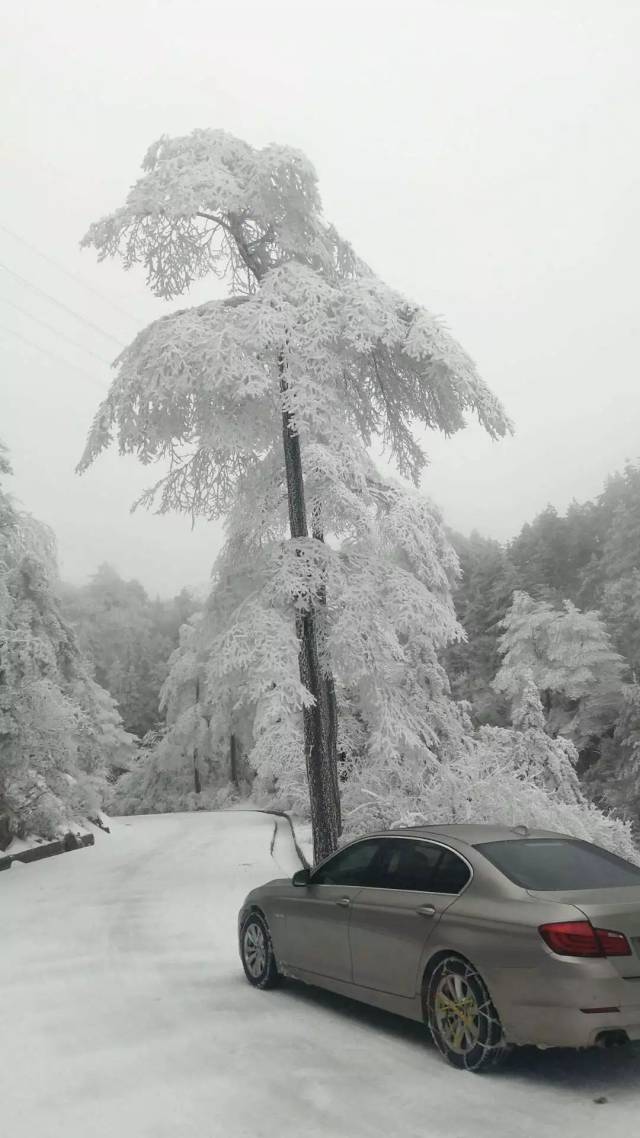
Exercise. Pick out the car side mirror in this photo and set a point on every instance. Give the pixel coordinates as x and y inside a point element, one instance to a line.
<point>301,877</point>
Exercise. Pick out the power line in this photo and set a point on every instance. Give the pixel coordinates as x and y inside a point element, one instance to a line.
<point>56,332</point>
<point>52,355</point>
<point>59,303</point>
<point>72,276</point>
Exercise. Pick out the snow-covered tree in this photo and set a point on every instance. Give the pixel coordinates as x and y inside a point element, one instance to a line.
<point>539,759</point>
<point>262,395</point>
<point>623,791</point>
<point>59,731</point>
<point>613,781</point>
<point>571,660</point>
<point>510,776</point>
<point>393,616</point>
<point>482,596</point>
<point>177,770</point>
<point>487,785</point>
<point>388,615</point>
<point>621,609</point>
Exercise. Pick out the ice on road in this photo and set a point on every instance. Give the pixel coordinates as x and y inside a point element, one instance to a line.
<point>125,1014</point>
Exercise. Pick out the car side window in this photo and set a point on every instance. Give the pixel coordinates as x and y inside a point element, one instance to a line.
<point>421,868</point>
<point>452,874</point>
<point>410,865</point>
<point>352,866</point>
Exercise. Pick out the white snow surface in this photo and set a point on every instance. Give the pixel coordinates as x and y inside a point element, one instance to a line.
<point>125,1012</point>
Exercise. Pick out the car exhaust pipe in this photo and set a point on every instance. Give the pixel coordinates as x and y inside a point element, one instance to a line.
<point>612,1038</point>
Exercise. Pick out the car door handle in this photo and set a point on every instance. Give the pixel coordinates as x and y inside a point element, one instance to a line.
<point>344,901</point>
<point>426,911</point>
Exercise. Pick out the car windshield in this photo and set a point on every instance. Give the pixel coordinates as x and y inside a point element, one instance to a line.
<point>558,864</point>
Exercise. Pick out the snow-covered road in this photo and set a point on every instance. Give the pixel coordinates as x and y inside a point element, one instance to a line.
<point>124,1013</point>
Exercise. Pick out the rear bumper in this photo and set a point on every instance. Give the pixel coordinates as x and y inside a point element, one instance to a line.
<point>557,1004</point>
<point>552,1026</point>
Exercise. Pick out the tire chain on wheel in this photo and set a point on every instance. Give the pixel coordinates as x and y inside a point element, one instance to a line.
<point>493,1048</point>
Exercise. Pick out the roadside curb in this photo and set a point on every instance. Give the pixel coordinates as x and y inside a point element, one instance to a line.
<point>50,849</point>
<point>276,814</point>
<point>283,814</point>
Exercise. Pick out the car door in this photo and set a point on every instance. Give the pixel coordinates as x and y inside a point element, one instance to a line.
<point>392,920</point>
<point>317,915</point>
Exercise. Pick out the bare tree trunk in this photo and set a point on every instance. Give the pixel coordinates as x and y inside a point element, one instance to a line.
<point>332,720</point>
<point>328,689</point>
<point>197,785</point>
<point>233,760</point>
<point>320,757</point>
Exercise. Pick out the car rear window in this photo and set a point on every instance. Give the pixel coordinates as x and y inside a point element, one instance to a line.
<point>559,864</point>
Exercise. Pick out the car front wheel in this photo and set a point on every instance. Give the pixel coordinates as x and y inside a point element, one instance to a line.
<point>256,951</point>
<point>463,1021</point>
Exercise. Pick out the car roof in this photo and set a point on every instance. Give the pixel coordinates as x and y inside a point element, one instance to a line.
<point>471,834</point>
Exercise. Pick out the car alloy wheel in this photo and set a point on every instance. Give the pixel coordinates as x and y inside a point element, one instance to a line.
<point>255,949</point>
<point>463,1021</point>
<point>257,954</point>
<point>457,1014</point>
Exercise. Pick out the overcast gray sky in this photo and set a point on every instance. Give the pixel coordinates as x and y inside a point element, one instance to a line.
<point>483,157</point>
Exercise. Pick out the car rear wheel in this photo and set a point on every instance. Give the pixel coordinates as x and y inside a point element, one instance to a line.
<point>256,951</point>
<point>463,1021</point>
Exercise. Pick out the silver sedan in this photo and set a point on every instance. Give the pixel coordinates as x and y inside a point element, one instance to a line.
<point>491,936</point>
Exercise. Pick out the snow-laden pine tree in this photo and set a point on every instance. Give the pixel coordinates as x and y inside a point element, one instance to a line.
<point>393,619</point>
<point>539,759</point>
<point>571,660</point>
<point>262,396</point>
<point>59,731</point>
<point>511,776</point>
<point>482,596</point>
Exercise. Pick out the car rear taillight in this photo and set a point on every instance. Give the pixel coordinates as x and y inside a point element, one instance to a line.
<point>571,938</point>
<point>579,938</point>
<point>613,944</point>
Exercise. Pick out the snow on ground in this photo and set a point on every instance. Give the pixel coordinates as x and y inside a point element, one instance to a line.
<point>125,1013</point>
